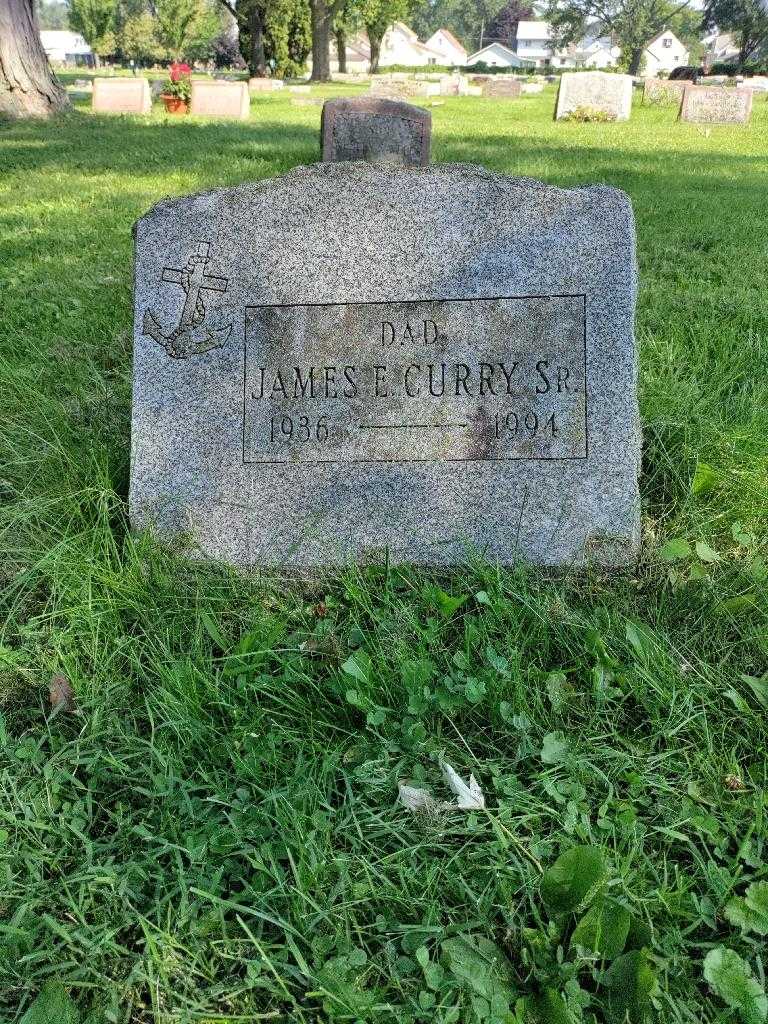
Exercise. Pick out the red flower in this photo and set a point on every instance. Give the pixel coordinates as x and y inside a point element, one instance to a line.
<point>177,70</point>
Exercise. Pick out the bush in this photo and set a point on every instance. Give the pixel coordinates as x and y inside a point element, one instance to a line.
<point>589,115</point>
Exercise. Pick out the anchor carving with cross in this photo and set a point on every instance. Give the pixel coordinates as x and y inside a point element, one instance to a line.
<point>185,340</point>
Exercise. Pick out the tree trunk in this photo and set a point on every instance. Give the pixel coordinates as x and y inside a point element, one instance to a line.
<point>257,62</point>
<point>375,46</point>
<point>635,61</point>
<point>321,16</point>
<point>28,87</point>
<point>341,50</point>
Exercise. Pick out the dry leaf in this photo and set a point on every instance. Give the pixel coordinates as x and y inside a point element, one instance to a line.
<point>469,796</point>
<point>61,694</point>
<point>416,799</point>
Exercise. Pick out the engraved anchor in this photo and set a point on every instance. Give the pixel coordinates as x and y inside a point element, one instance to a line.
<point>182,341</point>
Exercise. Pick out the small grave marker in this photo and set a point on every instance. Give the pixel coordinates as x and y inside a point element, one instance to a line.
<point>121,96</point>
<point>376,130</point>
<point>220,99</point>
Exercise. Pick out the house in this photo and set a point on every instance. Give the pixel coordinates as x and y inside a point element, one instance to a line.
<point>64,47</point>
<point>721,48</point>
<point>358,54</point>
<point>401,45</point>
<point>598,53</point>
<point>496,55</point>
<point>448,46</point>
<point>534,43</point>
<point>664,53</point>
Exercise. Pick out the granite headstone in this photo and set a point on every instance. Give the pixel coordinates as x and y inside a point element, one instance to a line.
<point>662,91</point>
<point>121,96</point>
<point>596,90</point>
<point>355,361</point>
<point>502,88</point>
<point>706,105</point>
<point>375,129</point>
<point>220,99</point>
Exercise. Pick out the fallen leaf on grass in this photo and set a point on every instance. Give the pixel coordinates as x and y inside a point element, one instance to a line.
<point>61,694</point>
<point>469,795</point>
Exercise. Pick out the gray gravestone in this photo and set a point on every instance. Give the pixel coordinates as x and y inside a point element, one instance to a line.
<point>661,91</point>
<point>595,90</point>
<point>375,129</point>
<point>704,105</point>
<point>353,359</point>
<point>502,88</point>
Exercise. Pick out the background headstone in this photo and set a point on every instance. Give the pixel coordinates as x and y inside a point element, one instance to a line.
<point>662,91</point>
<point>403,88</point>
<point>220,99</point>
<point>597,90</point>
<point>121,96</point>
<point>375,129</point>
<point>503,88</point>
<point>705,105</point>
<point>352,359</point>
<point>265,84</point>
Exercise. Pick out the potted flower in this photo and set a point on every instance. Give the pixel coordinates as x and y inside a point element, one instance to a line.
<point>177,91</point>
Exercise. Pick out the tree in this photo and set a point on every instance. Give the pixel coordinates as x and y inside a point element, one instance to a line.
<point>504,25</point>
<point>28,87</point>
<point>323,13</point>
<point>377,17</point>
<point>272,30</point>
<point>632,23</point>
<point>747,20</point>
<point>468,20</point>
<point>346,23</point>
<point>177,22</point>
<point>95,21</point>
<point>53,15</point>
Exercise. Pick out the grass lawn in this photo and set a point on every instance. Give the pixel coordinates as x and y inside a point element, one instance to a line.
<point>213,833</point>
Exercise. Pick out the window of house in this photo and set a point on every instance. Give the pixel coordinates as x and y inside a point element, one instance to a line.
<point>667,43</point>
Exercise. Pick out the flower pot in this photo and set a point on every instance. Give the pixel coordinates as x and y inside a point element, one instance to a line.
<point>174,105</point>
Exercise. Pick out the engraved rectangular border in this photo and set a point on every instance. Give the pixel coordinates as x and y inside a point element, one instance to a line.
<point>404,302</point>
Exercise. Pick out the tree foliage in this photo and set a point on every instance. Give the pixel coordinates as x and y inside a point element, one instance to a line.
<point>469,20</point>
<point>378,16</point>
<point>632,23</point>
<point>504,26</point>
<point>747,20</point>
<point>95,21</point>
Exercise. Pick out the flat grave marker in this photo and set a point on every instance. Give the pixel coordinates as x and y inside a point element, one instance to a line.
<point>220,99</point>
<point>328,366</point>
<point>376,130</point>
<point>121,96</point>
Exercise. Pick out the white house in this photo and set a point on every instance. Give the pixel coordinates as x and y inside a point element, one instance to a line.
<point>664,53</point>
<point>448,46</point>
<point>63,47</point>
<point>535,43</point>
<point>496,55</point>
<point>401,45</point>
<point>599,54</point>
<point>358,54</point>
<point>721,47</point>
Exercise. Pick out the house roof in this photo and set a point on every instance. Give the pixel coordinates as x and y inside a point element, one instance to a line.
<point>449,36</point>
<point>402,27</point>
<point>534,30</point>
<point>62,39</point>
<point>515,59</point>
<point>658,36</point>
